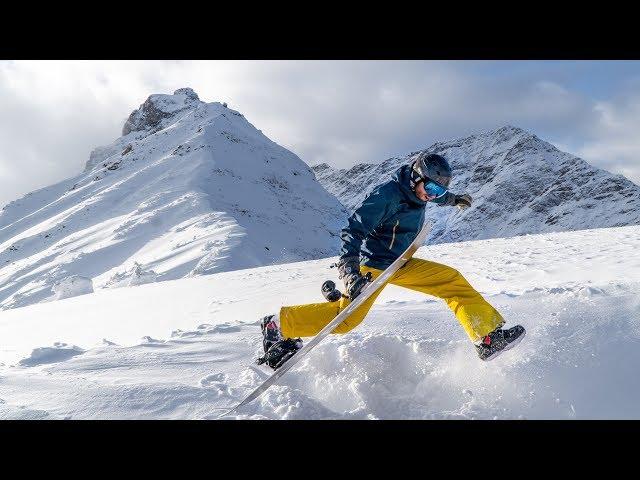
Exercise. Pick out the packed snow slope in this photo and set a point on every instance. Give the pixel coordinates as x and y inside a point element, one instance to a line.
<point>520,184</point>
<point>184,348</point>
<point>189,188</point>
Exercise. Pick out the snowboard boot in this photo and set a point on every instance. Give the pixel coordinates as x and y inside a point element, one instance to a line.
<point>270,332</point>
<point>499,341</point>
<point>280,352</point>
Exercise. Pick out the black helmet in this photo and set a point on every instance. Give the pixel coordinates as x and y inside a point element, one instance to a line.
<point>433,167</point>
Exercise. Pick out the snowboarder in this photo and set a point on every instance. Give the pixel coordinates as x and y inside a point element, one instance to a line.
<point>377,233</point>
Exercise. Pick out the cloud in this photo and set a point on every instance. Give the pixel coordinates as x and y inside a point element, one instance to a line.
<point>341,112</point>
<point>612,141</point>
<point>54,114</point>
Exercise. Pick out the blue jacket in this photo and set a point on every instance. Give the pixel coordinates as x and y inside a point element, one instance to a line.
<point>386,223</point>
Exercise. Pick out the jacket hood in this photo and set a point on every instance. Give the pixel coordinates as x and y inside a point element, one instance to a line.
<point>403,177</point>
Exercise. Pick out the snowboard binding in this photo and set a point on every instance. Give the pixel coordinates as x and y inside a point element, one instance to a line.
<point>280,352</point>
<point>277,349</point>
<point>270,332</point>
<point>356,287</point>
<point>499,341</point>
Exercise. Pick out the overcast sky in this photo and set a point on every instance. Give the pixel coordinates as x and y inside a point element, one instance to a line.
<point>53,113</point>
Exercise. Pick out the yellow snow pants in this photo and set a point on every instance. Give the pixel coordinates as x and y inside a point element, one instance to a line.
<point>476,316</point>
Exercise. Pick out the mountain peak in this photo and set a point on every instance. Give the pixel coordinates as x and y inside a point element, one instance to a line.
<point>511,129</point>
<point>505,135</point>
<point>158,107</point>
<point>192,188</point>
<point>508,132</point>
<point>188,92</point>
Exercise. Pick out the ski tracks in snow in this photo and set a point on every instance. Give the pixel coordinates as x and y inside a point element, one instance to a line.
<point>405,364</point>
<point>409,359</point>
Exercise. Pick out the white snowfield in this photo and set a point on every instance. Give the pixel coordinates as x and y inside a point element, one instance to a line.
<point>185,348</point>
<point>191,188</point>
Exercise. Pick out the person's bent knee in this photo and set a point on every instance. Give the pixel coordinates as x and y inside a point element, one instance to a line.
<point>440,270</point>
<point>452,273</point>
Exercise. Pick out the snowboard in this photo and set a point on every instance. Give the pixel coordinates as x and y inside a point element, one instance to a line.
<point>366,292</point>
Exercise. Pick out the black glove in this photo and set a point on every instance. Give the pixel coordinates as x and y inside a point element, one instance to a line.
<point>349,272</point>
<point>463,201</point>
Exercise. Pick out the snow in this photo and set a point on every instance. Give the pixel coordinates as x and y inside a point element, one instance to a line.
<point>136,275</point>
<point>184,348</point>
<point>72,287</point>
<point>191,188</point>
<point>59,352</point>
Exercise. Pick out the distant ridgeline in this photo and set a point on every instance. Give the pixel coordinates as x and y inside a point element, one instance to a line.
<point>519,184</point>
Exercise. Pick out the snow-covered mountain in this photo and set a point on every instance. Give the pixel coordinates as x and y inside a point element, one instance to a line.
<point>185,348</point>
<point>520,184</point>
<point>189,188</point>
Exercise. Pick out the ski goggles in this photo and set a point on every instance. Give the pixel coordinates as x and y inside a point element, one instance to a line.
<point>434,189</point>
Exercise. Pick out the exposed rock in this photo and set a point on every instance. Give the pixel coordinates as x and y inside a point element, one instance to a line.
<point>158,108</point>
